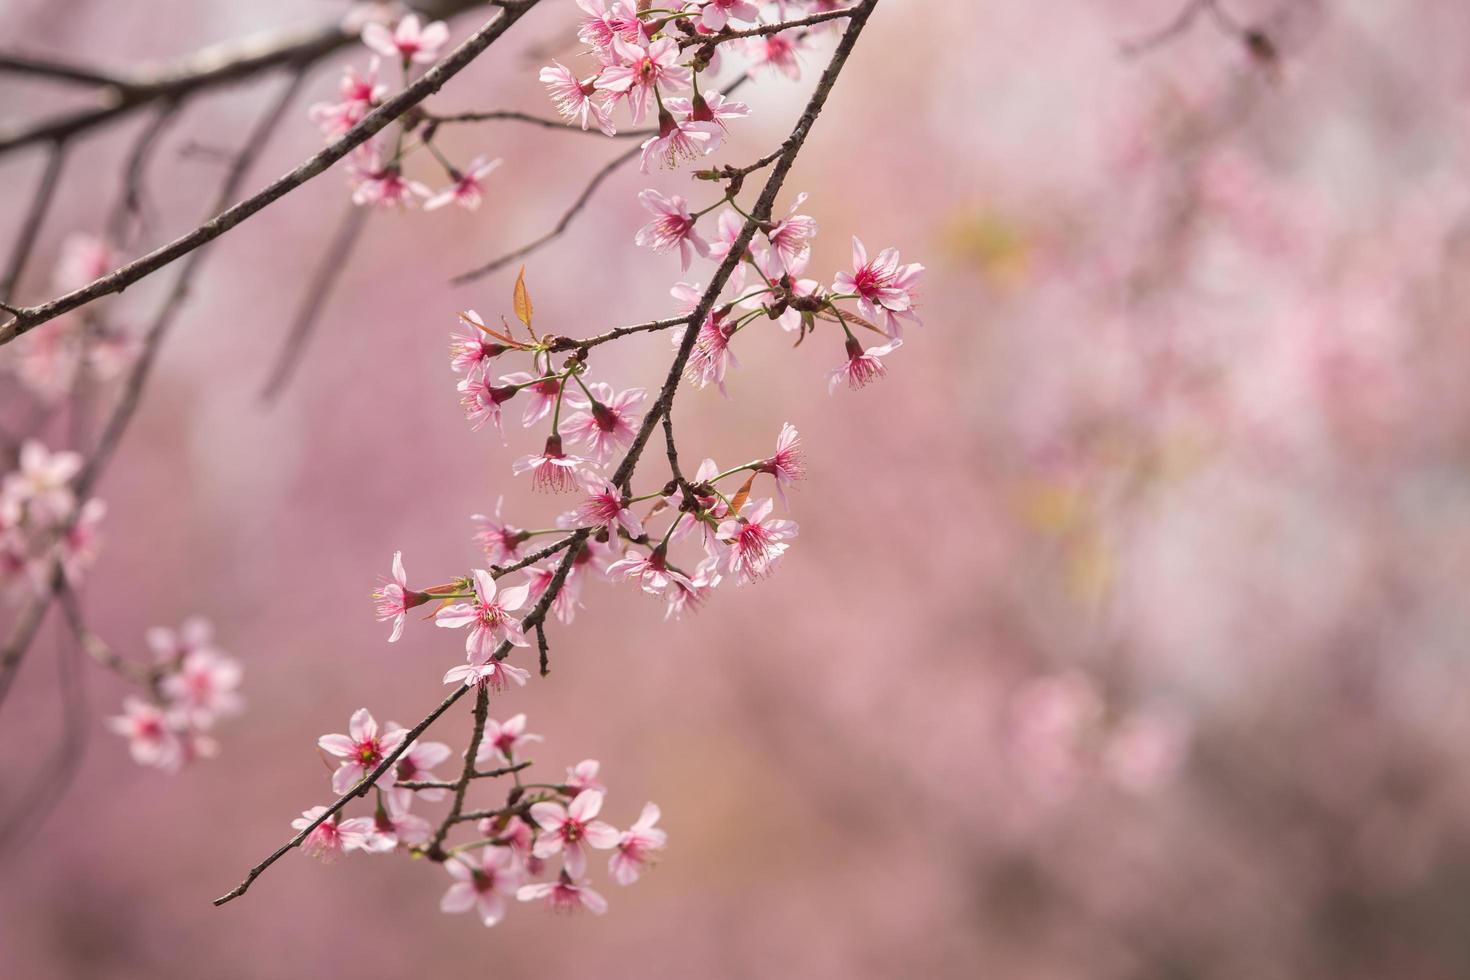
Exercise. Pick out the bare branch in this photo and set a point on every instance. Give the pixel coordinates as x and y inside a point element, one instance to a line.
<point>333,264</point>
<point>57,71</point>
<point>765,30</point>
<point>511,115</point>
<point>25,241</point>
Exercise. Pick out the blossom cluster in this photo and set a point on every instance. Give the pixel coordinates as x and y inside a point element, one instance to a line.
<point>193,683</point>
<point>42,525</point>
<point>534,848</point>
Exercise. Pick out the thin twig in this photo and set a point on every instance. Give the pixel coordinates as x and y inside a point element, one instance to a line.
<point>511,115</point>
<point>25,241</point>
<point>58,71</point>
<point>130,201</point>
<point>710,40</point>
<point>333,264</point>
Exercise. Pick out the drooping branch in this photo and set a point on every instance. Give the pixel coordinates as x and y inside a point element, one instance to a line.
<point>759,215</point>
<point>391,109</point>
<point>25,240</point>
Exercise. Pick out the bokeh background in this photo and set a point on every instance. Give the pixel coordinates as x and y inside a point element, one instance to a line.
<point>1125,636</point>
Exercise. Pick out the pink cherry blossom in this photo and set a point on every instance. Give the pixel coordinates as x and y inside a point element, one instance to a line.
<point>502,740</point>
<point>491,673</point>
<point>678,141</point>
<point>416,764</point>
<point>605,21</point>
<point>541,392</point>
<point>711,357</point>
<point>779,53</point>
<point>712,107</point>
<point>883,286</point>
<point>563,895</point>
<point>170,647</point>
<point>604,422</point>
<point>672,227</point>
<point>389,827</point>
<point>361,750</point>
<point>328,840</point>
<point>359,92</point>
<point>754,541</point>
<point>552,471</point>
<point>482,879</point>
<point>788,465</point>
<point>408,41</point>
<point>489,616</point>
<point>564,606</point>
<point>78,547</point>
<point>635,847</point>
<point>379,185</point>
<point>84,258</point>
<point>717,13</point>
<point>639,68</point>
<point>394,598</point>
<point>565,830</point>
<point>43,482</point>
<point>688,595</point>
<point>472,349</point>
<point>651,571</point>
<point>152,738</point>
<point>466,190</point>
<point>204,687</point>
<point>481,400</point>
<point>499,541</point>
<point>574,99</point>
<point>583,777</point>
<point>862,367</point>
<point>604,507</point>
<point>791,238</point>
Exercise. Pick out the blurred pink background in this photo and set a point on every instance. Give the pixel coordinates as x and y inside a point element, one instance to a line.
<point>1125,635</point>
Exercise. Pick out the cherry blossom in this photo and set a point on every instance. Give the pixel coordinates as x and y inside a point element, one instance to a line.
<point>791,238</point>
<point>499,541</point>
<point>362,749</point>
<point>565,829</point>
<point>552,471</point>
<point>78,547</point>
<point>604,422</point>
<point>754,541</point>
<point>778,53</point>
<point>204,687</point>
<point>583,777</point>
<point>715,14</point>
<point>417,764</point>
<point>481,881</point>
<point>564,895</point>
<point>43,482</point>
<point>639,69</point>
<point>170,647</point>
<point>564,606</point>
<point>408,41</point>
<point>883,286</point>
<point>604,507</point>
<point>678,141</point>
<point>502,739</point>
<point>671,228</point>
<point>151,734</point>
<point>651,571</point>
<point>488,616</point>
<point>490,673</point>
<point>471,350</point>
<point>788,465</point>
<point>466,190</point>
<point>360,92</point>
<point>634,849</point>
<point>394,598</point>
<point>328,840</point>
<point>574,99</point>
<point>481,400</point>
<point>862,367</point>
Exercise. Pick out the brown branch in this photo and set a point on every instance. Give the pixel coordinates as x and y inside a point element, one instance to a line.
<point>569,343</point>
<point>710,40</point>
<point>760,214</point>
<point>333,264</point>
<point>130,201</point>
<point>426,85</point>
<point>435,849</point>
<point>57,71</point>
<point>35,215</point>
<point>510,115</point>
